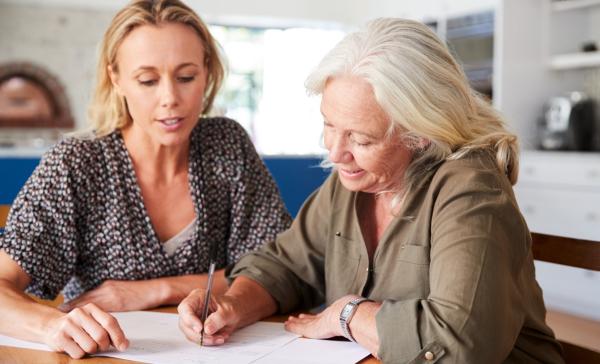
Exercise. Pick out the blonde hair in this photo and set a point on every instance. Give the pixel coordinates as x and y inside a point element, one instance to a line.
<point>424,91</point>
<point>108,110</point>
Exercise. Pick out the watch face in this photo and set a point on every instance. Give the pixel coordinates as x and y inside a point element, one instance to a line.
<point>346,311</point>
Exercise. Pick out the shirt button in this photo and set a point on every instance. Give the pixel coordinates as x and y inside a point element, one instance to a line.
<point>337,233</point>
<point>429,355</point>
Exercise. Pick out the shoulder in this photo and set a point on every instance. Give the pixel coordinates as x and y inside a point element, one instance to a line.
<point>475,171</point>
<point>67,151</point>
<point>76,153</point>
<point>473,183</point>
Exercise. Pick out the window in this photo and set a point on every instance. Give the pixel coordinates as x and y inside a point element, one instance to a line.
<point>264,90</point>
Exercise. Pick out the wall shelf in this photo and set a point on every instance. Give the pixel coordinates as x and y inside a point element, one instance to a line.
<point>575,60</point>
<point>565,5</point>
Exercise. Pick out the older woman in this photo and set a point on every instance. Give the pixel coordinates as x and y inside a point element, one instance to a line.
<point>129,217</point>
<point>415,242</point>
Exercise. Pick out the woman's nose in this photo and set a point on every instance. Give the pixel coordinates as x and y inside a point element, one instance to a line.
<point>168,97</point>
<point>338,151</point>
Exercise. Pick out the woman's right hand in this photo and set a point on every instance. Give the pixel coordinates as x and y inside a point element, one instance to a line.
<point>223,319</point>
<point>85,330</point>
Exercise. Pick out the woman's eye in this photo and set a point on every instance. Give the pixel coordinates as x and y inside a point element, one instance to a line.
<point>147,82</point>
<point>360,142</point>
<point>186,79</point>
<point>357,140</point>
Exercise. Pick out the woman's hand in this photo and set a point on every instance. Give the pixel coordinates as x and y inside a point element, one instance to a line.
<point>117,296</point>
<point>85,330</point>
<point>321,326</point>
<point>219,324</point>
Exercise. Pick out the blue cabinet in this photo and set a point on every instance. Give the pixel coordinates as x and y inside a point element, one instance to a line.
<point>296,177</point>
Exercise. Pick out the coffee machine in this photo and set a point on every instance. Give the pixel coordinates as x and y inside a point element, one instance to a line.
<point>568,123</point>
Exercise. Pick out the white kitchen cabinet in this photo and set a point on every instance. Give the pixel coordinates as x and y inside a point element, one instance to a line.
<point>571,290</point>
<point>559,194</point>
<point>561,212</point>
<point>571,24</point>
<point>565,170</point>
<point>539,55</point>
<point>562,5</point>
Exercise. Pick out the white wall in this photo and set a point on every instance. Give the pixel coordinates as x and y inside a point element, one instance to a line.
<point>62,35</point>
<point>348,12</point>
<point>62,40</point>
<point>339,11</point>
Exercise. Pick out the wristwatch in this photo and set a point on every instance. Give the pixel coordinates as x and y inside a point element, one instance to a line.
<point>347,313</point>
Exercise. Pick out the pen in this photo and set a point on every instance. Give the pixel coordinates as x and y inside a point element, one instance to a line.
<point>211,273</point>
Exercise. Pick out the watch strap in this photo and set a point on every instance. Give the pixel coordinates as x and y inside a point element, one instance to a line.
<point>347,313</point>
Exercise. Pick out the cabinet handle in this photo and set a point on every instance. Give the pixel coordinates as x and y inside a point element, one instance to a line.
<point>593,174</point>
<point>591,217</point>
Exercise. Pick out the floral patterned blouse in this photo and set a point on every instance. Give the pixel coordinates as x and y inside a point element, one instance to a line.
<point>80,218</point>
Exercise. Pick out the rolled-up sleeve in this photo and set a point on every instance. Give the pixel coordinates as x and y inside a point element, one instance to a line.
<point>291,268</point>
<point>473,313</point>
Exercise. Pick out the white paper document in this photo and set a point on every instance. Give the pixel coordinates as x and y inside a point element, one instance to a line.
<point>155,338</point>
<point>302,351</point>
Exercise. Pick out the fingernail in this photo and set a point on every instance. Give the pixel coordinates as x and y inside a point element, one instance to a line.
<point>208,329</point>
<point>122,347</point>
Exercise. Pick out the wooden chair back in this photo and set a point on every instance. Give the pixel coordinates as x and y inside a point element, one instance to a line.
<point>3,214</point>
<point>578,253</point>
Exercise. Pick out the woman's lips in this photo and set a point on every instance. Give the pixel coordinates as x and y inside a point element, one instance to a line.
<point>351,173</point>
<point>171,124</point>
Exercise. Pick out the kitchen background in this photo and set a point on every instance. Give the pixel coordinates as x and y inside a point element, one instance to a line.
<point>537,60</point>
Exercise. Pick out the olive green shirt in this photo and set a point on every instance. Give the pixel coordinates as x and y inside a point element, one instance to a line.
<point>454,269</point>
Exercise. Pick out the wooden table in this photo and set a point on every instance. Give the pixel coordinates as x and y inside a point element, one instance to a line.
<point>26,356</point>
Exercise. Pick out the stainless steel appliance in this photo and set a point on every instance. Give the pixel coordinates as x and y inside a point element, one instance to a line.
<point>568,122</point>
<point>471,39</point>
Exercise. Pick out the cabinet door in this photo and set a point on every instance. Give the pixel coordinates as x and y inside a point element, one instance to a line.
<point>573,213</point>
<point>561,170</point>
<point>568,289</point>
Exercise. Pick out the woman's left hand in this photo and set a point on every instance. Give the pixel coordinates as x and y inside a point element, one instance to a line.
<point>320,326</point>
<point>116,296</point>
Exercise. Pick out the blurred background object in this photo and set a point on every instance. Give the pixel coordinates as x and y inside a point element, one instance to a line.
<point>34,109</point>
<point>31,97</point>
<point>568,122</point>
<point>24,103</point>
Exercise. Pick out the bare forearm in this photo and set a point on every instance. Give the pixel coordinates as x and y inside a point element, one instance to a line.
<point>364,328</point>
<point>257,302</point>
<point>171,290</point>
<point>22,317</point>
